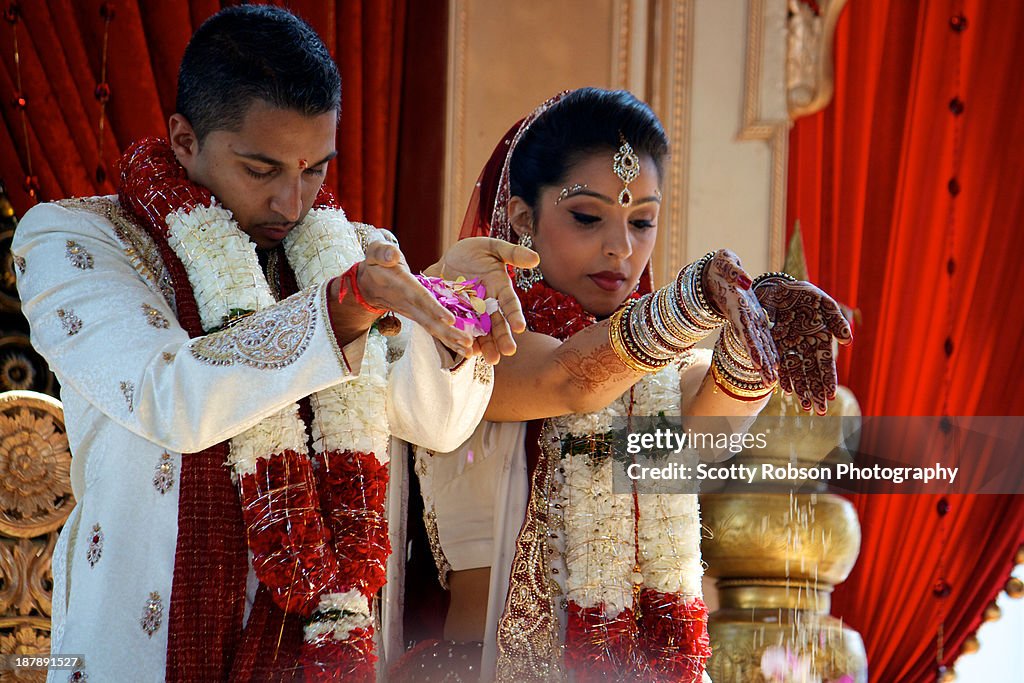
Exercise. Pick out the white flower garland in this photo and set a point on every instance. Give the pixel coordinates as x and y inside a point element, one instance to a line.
<point>599,524</point>
<point>226,277</point>
<point>352,415</point>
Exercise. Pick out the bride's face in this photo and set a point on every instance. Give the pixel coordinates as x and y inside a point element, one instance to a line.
<point>590,246</point>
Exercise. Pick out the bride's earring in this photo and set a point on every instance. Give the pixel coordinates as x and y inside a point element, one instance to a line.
<point>527,277</point>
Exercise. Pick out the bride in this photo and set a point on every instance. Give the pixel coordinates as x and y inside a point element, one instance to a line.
<point>550,573</point>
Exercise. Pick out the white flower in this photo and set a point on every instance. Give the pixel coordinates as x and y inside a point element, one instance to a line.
<point>600,550</point>
<point>220,262</point>
<point>272,435</point>
<point>354,610</point>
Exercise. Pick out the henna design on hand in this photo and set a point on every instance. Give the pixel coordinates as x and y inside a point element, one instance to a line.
<point>805,319</point>
<point>727,287</point>
<point>591,371</point>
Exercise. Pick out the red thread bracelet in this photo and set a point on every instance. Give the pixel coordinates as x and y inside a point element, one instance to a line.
<point>350,276</point>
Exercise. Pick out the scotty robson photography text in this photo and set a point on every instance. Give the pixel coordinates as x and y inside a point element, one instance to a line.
<point>766,472</point>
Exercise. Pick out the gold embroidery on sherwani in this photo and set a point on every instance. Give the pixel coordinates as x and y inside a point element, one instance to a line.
<point>152,614</point>
<point>272,338</point>
<point>163,477</point>
<point>95,549</point>
<point>430,522</point>
<point>168,357</point>
<point>128,390</point>
<point>71,323</point>
<point>139,247</point>
<point>78,256</point>
<point>155,317</point>
<point>528,638</point>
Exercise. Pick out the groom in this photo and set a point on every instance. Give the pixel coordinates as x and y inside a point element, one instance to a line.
<point>154,571</point>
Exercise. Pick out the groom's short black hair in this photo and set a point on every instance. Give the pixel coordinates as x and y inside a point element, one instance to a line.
<point>254,52</point>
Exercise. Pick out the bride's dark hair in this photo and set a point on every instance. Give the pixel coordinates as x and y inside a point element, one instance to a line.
<point>584,121</point>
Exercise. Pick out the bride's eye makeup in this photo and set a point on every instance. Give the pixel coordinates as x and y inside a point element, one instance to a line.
<point>584,218</point>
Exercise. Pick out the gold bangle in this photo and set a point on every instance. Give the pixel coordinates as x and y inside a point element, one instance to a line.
<point>744,391</point>
<point>622,348</point>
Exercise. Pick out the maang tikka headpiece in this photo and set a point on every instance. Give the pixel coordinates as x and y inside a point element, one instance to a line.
<point>626,165</point>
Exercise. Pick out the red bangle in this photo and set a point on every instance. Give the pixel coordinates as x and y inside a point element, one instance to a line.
<point>349,276</point>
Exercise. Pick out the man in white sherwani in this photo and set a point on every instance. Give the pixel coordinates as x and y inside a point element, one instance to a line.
<point>185,319</point>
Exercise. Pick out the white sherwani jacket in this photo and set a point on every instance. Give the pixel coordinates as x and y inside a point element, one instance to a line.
<point>138,393</point>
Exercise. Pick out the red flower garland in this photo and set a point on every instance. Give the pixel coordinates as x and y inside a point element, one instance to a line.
<point>551,312</point>
<point>287,533</point>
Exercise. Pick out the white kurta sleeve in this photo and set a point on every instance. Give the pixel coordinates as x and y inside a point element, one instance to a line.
<point>435,401</point>
<point>101,322</point>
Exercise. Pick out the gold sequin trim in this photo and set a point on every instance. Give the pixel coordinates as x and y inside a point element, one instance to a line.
<point>139,247</point>
<point>270,339</point>
<point>443,567</point>
<point>78,256</point>
<point>528,640</point>
<point>155,317</point>
<point>19,263</point>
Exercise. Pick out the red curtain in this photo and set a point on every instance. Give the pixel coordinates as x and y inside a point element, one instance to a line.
<point>60,48</point>
<point>908,190</point>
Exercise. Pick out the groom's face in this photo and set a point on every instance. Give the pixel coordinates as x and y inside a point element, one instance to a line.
<point>267,172</point>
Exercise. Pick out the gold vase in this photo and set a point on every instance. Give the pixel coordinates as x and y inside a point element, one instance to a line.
<point>777,556</point>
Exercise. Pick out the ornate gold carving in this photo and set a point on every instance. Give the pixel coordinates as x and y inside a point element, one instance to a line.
<point>272,338</point>
<point>29,636</point>
<point>809,39</point>
<point>35,499</point>
<point>528,642</point>
<point>35,488</point>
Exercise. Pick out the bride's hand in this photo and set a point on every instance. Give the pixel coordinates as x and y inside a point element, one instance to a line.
<point>727,287</point>
<point>486,258</point>
<point>805,319</point>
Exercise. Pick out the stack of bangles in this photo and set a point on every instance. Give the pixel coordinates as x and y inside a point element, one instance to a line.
<point>650,332</point>
<point>731,367</point>
<point>734,372</point>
